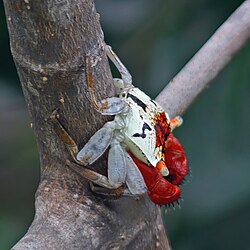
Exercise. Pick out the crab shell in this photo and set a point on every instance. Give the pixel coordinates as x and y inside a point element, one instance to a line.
<point>140,131</point>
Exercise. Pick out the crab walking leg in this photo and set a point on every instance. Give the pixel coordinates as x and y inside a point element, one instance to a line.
<point>97,144</point>
<point>112,106</point>
<point>134,180</point>
<point>92,176</point>
<point>126,77</point>
<point>116,164</point>
<point>100,141</point>
<point>109,106</point>
<point>116,158</point>
<point>63,135</point>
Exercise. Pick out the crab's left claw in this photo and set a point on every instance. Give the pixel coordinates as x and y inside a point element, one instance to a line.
<point>176,160</point>
<point>160,191</point>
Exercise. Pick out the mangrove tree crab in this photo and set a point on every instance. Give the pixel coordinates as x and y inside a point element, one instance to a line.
<point>143,153</point>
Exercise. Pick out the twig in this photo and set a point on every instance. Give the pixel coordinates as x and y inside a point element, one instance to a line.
<point>182,90</point>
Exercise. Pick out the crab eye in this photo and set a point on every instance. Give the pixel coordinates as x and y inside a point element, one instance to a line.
<point>123,95</point>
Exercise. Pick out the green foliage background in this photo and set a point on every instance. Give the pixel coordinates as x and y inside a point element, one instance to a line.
<point>154,39</point>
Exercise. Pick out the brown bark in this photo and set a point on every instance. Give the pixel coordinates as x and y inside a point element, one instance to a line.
<point>49,41</point>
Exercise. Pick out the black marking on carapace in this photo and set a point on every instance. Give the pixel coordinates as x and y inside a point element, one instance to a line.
<point>144,127</point>
<point>153,102</point>
<point>137,101</point>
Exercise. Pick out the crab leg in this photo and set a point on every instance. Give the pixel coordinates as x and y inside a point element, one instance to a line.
<point>126,77</point>
<point>134,179</point>
<point>64,136</point>
<point>91,175</point>
<point>88,154</point>
<point>108,106</point>
<point>116,164</point>
<point>96,145</point>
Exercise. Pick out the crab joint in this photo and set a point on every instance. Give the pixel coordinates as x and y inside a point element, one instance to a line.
<point>161,166</point>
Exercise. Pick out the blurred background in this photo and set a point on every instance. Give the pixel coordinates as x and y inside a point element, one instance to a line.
<point>154,39</point>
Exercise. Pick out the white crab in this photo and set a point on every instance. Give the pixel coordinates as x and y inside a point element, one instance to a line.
<point>131,130</point>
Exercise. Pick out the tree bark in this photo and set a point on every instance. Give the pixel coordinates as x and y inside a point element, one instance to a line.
<point>49,41</point>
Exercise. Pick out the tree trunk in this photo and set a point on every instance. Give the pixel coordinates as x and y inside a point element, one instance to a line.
<point>49,41</point>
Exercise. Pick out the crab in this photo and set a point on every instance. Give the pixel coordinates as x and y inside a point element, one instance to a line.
<point>143,154</point>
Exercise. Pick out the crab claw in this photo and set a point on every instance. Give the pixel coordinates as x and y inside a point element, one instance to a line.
<point>176,160</point>
<point>164,192</point>
<point>160,191</point>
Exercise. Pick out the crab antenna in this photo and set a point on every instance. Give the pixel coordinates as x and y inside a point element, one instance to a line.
<point>126,77</point>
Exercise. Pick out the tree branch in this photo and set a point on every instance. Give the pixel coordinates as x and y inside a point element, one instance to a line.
<point>49,41</point>
<point>206,64</point>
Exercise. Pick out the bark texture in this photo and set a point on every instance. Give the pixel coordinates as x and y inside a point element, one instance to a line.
<point>49,41</point>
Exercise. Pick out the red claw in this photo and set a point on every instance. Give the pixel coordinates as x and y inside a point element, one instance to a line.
<point>165,190</point>
<point>175,159</point>
<point>160,190</point>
